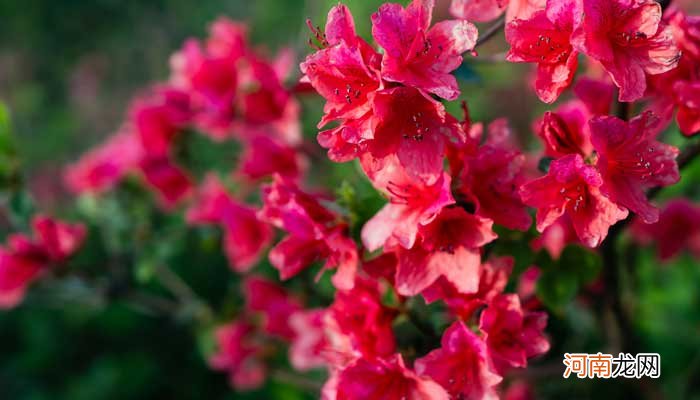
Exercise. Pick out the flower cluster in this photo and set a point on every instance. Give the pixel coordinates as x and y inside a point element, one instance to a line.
<point>388,115</point>
<point>24,259</point>
<point>678,228</point>
<point>600,170</point>
<point>221,88</point>
<point>678,89</point>
<point>224,90</point>
<point>628,38</point>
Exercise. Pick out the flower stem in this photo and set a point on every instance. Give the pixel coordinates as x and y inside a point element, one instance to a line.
<point>491,31</point>
<point>183,293</point>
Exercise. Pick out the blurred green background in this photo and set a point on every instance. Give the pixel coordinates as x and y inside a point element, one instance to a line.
<point>68,68</point>
<point>67,71</point>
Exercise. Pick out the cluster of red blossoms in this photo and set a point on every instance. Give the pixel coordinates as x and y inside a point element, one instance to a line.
<point>447,181</point>
<point>221,88</point>
<point>25,259</point>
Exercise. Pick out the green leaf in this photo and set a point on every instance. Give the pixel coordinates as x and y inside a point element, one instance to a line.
<point>544,163</point>
<point>557,288</point>
<point>585,263</point>
<point>6,142</point>
<point>145,270</point>
<point>21,208</point>
<point>562,279</point>
<point>9,163</point>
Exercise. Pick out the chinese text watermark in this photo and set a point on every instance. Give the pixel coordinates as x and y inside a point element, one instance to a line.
<point>606,366</point>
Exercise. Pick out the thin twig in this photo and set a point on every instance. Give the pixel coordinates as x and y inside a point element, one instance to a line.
<point>613,295</point>
<point>491,31</point>
<point>491,58</point>
<point>688,154</point>
<point>175,284</point>
<point>296,380</point>
<point>187,298</point>
<point>150,304</point>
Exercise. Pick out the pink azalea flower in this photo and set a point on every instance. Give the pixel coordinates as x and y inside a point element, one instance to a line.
<point>519,390</point>
<point>382,267</point>
<point>450,248</point>
<point>523,9</point>
<point>329,391</point>
<point>211,203</point>
<point>629,39</point>
<point>289,208</point>
<point>103,167</point>
<point>209,73</point>
<point>347,141</point>
<point>58,239</point>
<point>264,156</point>
<point>596,95</point>
<point>556,237</point>
<point>527,284</point>
<point>414,127</point>
<point>227,39</point>
<point>461,365</point>
<point>266,102</point>
<point>343,256</point>
<point>630,160</point>
<point>308,347</point>
<point>527,288</point>
<point>346,72</point>
<point>478,10</point>
<point>491,176</point>
<point>386,379</point>
<point>686,31</point>
<point>487,10</point>
<point>158,117</point>
<point>154,121</point>
<point>266,106</point>
<point>573,188</point>
<point>361,323</point>
<point>293,254</point>
<point>245,236</point>
<point>676,87</point>
<point>25,259</point>
<point>315,234</point>
<point>493,277</point>
<point>566,131</point>
<point>239,355</point>
<point>511,334</point>
<point>411,204</point>
<point>678,228</point>
<point>688,100</point>
<point>19,267</point>
<point>275,304</point>
<point>544,39</point>
<point>168,180</point>
<point>418,55</point>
